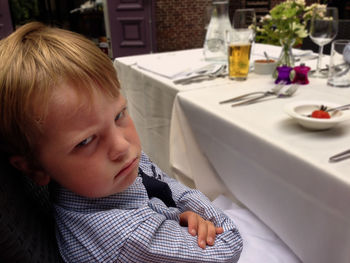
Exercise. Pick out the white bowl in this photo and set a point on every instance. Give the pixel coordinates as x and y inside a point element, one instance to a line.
<point>300,109</point>
<point>263,66</point>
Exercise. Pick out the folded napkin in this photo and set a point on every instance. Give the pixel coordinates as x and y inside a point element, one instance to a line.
<point>173,64</point>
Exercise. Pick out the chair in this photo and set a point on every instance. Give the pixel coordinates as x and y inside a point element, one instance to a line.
<point>26,224</point>
<point>343,33</point>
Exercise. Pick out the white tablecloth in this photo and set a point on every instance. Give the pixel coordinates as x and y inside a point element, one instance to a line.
<point>147,84</point>
<point>150,95</point>
<point>276,168</point>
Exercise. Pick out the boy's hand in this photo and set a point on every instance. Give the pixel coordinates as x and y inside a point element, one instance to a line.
<point>205,229</point>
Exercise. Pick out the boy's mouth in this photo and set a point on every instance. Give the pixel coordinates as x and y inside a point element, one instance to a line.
<point>127,168</point>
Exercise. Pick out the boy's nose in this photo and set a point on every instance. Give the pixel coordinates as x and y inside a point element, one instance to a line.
<point>118,145</point>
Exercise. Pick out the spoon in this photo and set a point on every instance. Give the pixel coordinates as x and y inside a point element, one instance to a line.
<point>335,109</point>
<point>266,56</point>
<point>343,107</point>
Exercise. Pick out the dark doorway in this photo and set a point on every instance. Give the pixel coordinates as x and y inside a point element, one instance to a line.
<point>132,26</point>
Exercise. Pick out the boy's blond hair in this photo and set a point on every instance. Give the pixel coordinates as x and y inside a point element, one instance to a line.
<point>34,60</point>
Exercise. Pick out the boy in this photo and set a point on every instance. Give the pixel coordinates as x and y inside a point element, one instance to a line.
<point>64,121</point>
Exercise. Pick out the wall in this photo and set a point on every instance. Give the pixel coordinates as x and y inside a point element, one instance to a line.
<point>181,24</point>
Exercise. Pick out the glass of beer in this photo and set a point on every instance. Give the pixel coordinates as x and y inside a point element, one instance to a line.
<point>239,48</point>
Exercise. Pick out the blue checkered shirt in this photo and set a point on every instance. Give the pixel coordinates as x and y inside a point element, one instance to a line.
<point>130,227</point>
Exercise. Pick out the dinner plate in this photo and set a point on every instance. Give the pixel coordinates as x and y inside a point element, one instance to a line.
<point>299,110</point>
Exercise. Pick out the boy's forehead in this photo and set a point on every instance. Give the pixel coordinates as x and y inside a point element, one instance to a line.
<point>72,98</point>
<point>69,102</point>
<point>69,109</point>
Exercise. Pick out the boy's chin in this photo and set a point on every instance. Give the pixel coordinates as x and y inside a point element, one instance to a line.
<point>128,180</point>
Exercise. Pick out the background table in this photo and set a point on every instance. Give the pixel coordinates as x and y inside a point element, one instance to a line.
<point>276,168</point>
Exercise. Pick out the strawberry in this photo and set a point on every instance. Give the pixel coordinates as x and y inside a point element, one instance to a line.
<point>320,114</point>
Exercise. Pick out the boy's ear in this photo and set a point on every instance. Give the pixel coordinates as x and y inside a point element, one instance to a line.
<point>22,164</point>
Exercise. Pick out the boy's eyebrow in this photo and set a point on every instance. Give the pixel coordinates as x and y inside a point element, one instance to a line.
<point>122,105</point>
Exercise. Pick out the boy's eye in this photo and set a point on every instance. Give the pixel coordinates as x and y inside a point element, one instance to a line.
<point>120,115</point>
<point>85,142</point>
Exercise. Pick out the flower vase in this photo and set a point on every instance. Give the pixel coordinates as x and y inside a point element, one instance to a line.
<point>286,57</point>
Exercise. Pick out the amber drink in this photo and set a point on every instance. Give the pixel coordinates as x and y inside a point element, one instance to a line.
<point>238,60</point>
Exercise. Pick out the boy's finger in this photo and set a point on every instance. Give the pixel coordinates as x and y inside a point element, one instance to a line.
<point>219,230</point>
<point>192,224</point>
<point>211,233</point>
<point>202,233</point>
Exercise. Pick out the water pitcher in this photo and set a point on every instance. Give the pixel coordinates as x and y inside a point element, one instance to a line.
<point>219,28</point>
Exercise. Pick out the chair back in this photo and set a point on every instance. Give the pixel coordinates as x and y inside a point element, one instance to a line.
<point>26,222</point>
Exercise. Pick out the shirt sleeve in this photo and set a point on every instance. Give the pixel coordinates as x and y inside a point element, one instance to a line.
<point>138,235</point>
<point>160,240</point>
<point>189,199</point>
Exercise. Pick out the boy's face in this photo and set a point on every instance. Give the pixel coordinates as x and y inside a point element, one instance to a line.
<point>91,148</point>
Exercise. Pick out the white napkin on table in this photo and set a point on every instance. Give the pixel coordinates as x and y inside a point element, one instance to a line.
<point>173,64</point>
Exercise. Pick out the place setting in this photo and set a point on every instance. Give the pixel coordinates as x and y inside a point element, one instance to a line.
<point>208,72</point>
<point>323,27</point>
<point>323,115</point>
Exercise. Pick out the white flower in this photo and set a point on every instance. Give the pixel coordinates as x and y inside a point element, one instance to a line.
<point>266,17</point>
<point>300,2</point>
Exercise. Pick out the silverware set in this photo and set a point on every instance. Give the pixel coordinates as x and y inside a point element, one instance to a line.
<point>280,91</point>
<point>206,73</point>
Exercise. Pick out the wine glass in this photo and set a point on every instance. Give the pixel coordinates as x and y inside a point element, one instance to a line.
<point>323,29</point>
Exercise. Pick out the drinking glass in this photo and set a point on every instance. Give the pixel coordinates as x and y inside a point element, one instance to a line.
<point>240,44</point>
<point>323,29</point>
<point>244,24</point>
<point>339,66</point>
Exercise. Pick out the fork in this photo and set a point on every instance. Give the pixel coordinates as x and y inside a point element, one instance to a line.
<point>273,91</point>
<point>284,94</point>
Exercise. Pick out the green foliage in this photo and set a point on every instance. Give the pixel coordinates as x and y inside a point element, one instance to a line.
<point>24,10</point>
<point>286,22</point>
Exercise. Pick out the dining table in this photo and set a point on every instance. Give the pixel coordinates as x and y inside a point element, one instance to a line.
<point>256,154</point>
<point>147,83</point>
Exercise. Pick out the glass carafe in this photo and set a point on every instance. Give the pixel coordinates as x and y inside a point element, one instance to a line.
<point>215,44</point>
